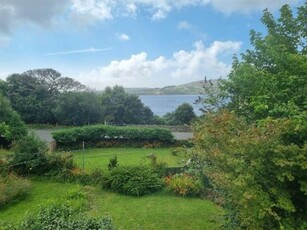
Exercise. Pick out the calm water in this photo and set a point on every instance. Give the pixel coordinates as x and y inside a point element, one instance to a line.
<point>162,104</point>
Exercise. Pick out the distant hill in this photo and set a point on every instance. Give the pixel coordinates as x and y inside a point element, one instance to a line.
<point>191,88</point>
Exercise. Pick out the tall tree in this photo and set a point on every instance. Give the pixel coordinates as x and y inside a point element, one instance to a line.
<point>34,93</point>
<point>184,114</point>
<point>11,126</point>
<point>121,107</point>
<point>271,78</point>
<point>78,108</point>
<point>256,154</point>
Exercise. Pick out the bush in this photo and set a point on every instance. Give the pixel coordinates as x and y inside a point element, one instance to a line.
<point>133,180</point>
<point>61,217</point>
<point>12,188</point>
<point>183,184</point>
<point>30,157</point>
<point>109,136</point>
<point>77,175</point>
<point>259,169</point>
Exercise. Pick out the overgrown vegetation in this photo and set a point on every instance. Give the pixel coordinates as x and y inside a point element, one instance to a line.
<point>61,217</point>
<point>30,157</point>
<point>11,126</point>
<point>255,154</point>
<point>12,189</point>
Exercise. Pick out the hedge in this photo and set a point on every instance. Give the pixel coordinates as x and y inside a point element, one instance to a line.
<point>108,136</point>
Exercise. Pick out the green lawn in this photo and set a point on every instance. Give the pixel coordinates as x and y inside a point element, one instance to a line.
<point>99,158</point>
<point>158,211</point>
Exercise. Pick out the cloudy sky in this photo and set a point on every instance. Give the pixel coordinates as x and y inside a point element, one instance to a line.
<point>134,43</point>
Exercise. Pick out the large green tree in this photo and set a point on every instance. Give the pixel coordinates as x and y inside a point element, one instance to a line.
<point>256,154</point>
<point>11,126</point>
<point>184,114</point>
<point>121,107</point>
<point>34,93</point>
<point>271,78</point>
<point>78,108</point>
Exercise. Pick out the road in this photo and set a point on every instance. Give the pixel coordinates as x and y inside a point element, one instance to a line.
<point>45,134</point>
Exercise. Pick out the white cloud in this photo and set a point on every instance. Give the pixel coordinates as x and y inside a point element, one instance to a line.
<point>89,50</point>
<point>183,66</point>
<point>107,9</point>
<point>123,37</point>
<point>84,12</point>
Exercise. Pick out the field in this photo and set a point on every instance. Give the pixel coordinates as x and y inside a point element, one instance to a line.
<point>157,211</point>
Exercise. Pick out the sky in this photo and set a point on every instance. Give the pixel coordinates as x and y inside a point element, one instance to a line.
<point>133,43</point>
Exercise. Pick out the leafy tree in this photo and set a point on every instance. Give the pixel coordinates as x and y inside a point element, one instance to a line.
<point>270,80</point>
<point>259,170</point>
<point>34,93</point>
<point>78,108</point>
<point>184,114</point>
<point>3,88</point>
<point>121,107</point>
<point>255,155</point>
<point>11,126</point>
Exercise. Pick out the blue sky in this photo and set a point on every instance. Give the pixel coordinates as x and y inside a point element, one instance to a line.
<point>134,43</point>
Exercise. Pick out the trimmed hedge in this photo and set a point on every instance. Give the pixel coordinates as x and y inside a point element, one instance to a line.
<point>109,136</point>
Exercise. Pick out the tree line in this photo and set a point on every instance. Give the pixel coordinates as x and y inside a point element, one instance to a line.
<point>44,96</point>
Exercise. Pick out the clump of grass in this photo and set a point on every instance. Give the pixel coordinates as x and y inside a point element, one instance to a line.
<point>12,189</point>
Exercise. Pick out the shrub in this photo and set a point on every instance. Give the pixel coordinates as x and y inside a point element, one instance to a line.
<point>183,184</point>
<point>109,136</point>
<point>30,157</point>
<point>133,180</point>
<point>113,163</point>
<point>259,169</point>
<point>77,175</point>
<point>12,188</point>
<point>61,217</point>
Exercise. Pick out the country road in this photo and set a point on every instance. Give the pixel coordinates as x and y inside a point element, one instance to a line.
<point>45,134</point>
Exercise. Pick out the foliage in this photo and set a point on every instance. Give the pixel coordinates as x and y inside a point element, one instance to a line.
<point>159,211</point>
<point>260,170</point>
<point>30,157</point>
<point>113,163</point>
<point>34,93</point>
<point>183,184</point>
<point>133,180</point>
<point>61,217</point>
<point>120,107</point>
<point>183,115</point>
<point>11,126</point>
<point>3,88</point>
<point>78,108</point>
<point>214,96</point>
<point>12,188</point>
<point>92,135</point>
<point>270,80</point>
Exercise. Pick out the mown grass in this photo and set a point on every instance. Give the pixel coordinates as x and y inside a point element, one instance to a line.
<point>159,211</point>
<point>99,158</point>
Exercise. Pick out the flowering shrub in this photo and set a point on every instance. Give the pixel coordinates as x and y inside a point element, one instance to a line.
<point>183,184</point>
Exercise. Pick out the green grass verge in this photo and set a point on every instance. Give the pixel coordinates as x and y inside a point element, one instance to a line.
<point>99,158</point>
<point>158,211</point>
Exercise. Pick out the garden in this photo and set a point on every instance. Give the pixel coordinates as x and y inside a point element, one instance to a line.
<point>96,186</point>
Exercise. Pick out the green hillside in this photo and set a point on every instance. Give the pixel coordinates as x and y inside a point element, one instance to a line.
<point>185,89</point>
